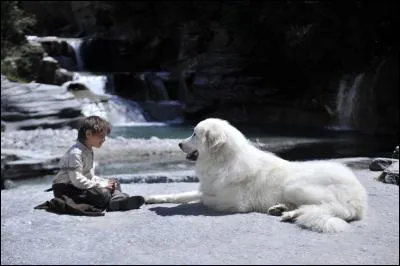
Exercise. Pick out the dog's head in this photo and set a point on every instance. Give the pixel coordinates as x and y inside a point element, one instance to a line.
<point>208,137</point>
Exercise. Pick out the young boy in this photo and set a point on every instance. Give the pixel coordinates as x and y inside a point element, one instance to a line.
<point>76,177</point>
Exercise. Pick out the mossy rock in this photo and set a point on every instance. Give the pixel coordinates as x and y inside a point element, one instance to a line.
<point>22,63</point>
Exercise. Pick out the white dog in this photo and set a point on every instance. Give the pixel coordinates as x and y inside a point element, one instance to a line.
<point>235,176</point>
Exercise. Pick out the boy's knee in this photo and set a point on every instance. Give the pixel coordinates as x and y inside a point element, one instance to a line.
<point>100,197</point>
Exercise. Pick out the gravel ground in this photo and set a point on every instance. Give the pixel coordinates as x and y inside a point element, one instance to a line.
<point>190,233</point>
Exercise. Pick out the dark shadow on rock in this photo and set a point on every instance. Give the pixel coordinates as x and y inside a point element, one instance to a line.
<point>194,209</point>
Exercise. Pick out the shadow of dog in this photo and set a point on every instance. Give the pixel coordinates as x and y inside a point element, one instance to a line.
<point>193,209</point>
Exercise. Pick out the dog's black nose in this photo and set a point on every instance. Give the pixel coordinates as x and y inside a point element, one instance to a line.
<point>180,145</point>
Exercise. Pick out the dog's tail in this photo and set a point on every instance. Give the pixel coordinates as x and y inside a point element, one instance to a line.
<point>325,217</point>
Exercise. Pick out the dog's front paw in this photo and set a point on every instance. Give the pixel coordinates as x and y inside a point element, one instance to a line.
<point>154,199</point>
<point>290,216</point>
<point>277,210</point>
<point>149,200</point>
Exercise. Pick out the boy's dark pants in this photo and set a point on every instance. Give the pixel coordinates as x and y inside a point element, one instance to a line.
<point>97,196</point>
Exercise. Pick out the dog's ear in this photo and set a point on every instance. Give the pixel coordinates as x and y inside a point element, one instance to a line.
<point>214,139</point>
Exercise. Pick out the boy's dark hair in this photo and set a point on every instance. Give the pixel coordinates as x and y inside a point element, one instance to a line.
<point>94,124</point>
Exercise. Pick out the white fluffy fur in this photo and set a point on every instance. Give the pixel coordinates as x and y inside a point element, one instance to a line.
<point>235,176</point>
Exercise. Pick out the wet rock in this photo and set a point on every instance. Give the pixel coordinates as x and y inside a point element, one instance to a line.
<point>62,75</point>
<point>30,168</point>
<point>76,86</point>
<point>47,70</point>
<point>18,163</point>
<point>396,153</point>
<point>7,184</point>
<point>391,174</point>
<point>31,105</point>
<point>380,164</point>
<point>59,49</point>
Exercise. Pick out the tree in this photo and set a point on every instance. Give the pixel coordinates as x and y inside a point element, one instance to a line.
<point>14,25</point>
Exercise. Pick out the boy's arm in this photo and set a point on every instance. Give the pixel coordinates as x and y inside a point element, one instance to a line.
<point>101,181</point>
<point>75,169</point>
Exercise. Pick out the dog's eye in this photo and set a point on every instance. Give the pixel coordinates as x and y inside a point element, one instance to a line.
<point>194,134</point>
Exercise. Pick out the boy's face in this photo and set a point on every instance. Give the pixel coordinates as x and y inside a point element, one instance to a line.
<point>95,139</point>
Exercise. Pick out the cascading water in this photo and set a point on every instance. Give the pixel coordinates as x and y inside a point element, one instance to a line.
<point>76,45</point>
<point>116,110</point>
<point>355,104</point>
<point>347,102</point>
<point>96,83</point>
<point>101,99</point>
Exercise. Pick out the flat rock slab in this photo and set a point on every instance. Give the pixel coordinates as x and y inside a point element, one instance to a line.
<point>190,233</point>
<point>32,105</point>
<point>157,177</point>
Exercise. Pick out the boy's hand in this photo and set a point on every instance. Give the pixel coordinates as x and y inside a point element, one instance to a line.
<point>111,185</point>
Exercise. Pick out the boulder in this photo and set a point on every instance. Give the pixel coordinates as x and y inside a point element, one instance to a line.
<point>380,164</point>
<point>60,49</point>
<point>47,71</point>
<point>391,174</point>
<point>76,86</point>
<point>62,75</point>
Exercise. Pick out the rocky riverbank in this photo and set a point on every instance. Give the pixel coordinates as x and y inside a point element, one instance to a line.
<point>36,153</point>
<point>36,136</point>
<point>33,105</point>
<point>29,153</point>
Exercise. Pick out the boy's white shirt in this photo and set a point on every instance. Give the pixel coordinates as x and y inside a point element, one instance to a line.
<point>76,168</point>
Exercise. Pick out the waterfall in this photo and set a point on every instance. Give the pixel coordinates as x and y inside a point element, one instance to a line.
<point>76,45</point>
<point>100,98</point>
<point>94,82</point>
<point>347,101</point>
<point>156,86</point>
<point>116,110</point>
<point>355,103</point>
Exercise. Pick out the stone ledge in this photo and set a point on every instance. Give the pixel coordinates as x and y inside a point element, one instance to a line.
<point>158,177</point>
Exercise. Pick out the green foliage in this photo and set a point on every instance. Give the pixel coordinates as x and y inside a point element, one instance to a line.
<point>19,60</point>
<point>22,63</point>
<point>14,25</point>
<point>9,69</point>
